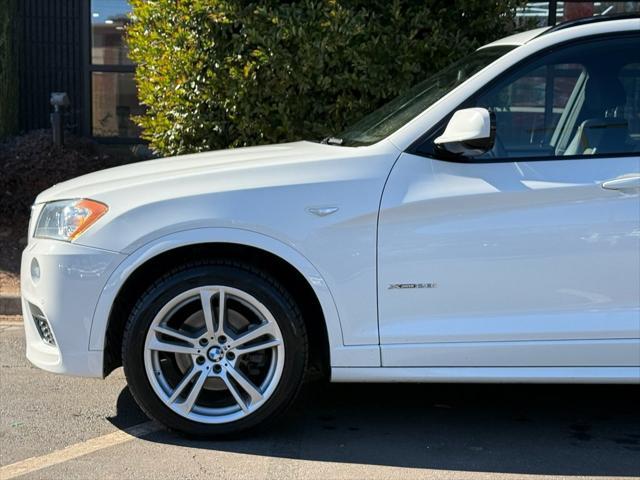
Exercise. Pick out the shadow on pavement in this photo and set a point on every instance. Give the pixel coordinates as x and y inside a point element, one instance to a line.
<point>128,414</point>
<point>527,429</point>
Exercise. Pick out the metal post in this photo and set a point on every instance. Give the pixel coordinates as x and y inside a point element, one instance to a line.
<point>58,100</point>
<point>553,9</point>
<point>56,126</point>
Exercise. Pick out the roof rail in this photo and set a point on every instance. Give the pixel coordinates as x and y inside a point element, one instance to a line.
<point>590,20</point>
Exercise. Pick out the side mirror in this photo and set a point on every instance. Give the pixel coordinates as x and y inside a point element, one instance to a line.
<point>470,132</point>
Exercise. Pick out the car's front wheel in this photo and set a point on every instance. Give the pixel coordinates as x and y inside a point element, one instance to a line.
<point>215,348</point>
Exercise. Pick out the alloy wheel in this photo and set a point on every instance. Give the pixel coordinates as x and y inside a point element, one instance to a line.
<point>214,354</point>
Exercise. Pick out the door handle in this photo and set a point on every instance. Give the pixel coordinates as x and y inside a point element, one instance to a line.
<point>626,182</point>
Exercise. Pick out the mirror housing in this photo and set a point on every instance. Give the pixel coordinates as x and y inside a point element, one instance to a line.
<point>470,132</point>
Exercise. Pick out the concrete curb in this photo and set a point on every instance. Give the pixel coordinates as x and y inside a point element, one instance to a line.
<point>10,305</point>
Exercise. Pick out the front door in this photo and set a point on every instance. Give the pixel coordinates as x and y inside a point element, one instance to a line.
<point>528,255</point>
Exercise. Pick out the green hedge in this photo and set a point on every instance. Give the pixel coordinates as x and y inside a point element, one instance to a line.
<point>8,70</point>
<point>217,74</point>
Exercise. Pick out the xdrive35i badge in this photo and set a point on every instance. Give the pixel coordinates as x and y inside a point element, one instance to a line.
<point>394,286</point>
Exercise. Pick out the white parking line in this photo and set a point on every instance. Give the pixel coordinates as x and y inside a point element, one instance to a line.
<point>71,452</point>
<point>9,322</point>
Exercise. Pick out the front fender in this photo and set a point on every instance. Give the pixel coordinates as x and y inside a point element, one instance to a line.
<point>340,355</point>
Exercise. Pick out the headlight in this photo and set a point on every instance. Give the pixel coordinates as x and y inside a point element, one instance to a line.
<point>67,219</point>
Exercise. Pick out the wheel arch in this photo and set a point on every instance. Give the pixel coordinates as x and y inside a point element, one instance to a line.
<point>289,266</point>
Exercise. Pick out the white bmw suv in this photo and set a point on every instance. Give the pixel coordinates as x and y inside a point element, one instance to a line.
<point>483,227</point>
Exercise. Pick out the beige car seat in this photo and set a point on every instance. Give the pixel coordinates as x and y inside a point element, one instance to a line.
<point>605,129</point>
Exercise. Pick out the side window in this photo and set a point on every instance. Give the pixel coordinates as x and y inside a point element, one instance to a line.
<point>578,100</point>
<point>630,78</point>
<point>529,108</point>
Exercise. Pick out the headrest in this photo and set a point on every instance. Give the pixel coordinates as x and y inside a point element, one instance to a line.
<point>604,93</point>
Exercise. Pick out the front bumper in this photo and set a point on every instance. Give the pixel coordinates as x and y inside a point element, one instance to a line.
<point>66,293</point>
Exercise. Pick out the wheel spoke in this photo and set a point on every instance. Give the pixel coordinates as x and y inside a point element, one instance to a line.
<point>170,332</point>
<point>183,383</point>
<point>164,346</point>
<point>265,329</point>
<point>245,384</point>
<point>205,300</point>
<point>189,402</point>
<point>260,346</point>
<point>222,311</point>
<point>234,391</point>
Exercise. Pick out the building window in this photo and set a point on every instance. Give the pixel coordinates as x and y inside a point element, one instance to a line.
<point>578,9</point>
<point>108,21</point>
<point>113,91</point>
<point>533,14</point>
<point>113,101</point>
<point>540,14</point>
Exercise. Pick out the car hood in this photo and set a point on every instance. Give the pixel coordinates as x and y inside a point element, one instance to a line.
<point>203,170</point>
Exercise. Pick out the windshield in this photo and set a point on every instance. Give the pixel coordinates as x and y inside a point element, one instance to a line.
<point>390,117</point>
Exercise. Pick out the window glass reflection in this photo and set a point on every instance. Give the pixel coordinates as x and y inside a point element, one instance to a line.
<point>108,22</point>
<point>575,10</point>
<point>536,14</point>
<point>114,101</point>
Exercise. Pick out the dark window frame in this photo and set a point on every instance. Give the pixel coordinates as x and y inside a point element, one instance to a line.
<point>87,72</point>
<point>414,148</point>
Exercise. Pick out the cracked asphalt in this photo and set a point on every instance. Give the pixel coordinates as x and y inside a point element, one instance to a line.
<point>334,431</point>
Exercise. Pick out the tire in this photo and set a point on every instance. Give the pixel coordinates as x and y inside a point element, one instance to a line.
<point>164,358</point>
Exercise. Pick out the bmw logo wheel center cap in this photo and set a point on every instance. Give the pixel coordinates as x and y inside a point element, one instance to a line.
<point>215,354</point>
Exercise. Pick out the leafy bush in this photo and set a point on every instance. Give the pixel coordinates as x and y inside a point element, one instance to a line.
<point>224,73</point>
<point>21,156</point>
<point>34,152</point>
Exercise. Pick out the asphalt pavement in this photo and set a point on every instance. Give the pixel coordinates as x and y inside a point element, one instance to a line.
<point>56,427</point>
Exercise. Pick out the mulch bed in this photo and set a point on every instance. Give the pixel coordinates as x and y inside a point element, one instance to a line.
<point>29,164</point>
